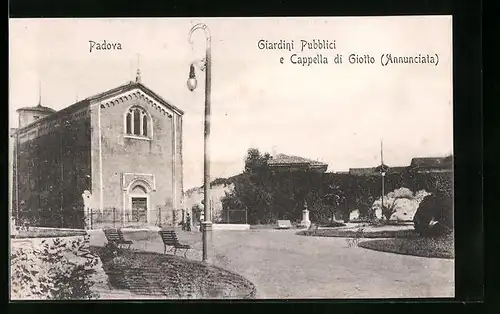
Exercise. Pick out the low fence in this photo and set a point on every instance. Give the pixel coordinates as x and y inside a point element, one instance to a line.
<point>95,218</point>
<point>128,218</point>
<point>234,216</point>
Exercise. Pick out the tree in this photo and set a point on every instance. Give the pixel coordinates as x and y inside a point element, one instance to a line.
<point>255,161</point>
<point>196,210</point>
<point>434,215</point>
<point>335,198</point>
<point>361,192</point>
<point>252,195</point>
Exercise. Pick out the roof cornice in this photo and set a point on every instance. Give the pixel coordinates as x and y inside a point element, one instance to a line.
<point>117,92</point>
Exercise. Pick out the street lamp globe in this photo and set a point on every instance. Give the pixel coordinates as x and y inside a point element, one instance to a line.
<point>192,83</point>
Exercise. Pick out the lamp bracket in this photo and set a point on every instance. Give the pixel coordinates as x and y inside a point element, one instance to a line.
<point>201,64</point>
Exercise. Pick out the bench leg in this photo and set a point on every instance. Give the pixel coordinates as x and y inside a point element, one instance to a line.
<point>129,245</point>
<point>164,249</point>
<point>175,251</point>
<point>185,252</point>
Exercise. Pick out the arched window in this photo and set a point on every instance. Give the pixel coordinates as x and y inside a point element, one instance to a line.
<point>129,123</point>
<point>144,125</point>
<point>137,122</point>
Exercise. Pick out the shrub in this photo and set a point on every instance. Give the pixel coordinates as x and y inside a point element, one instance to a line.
<point>361,219</point>
<point>399,202</point>
<point>110,251</point>
<point>434,216</point>
<point>61,270</point>
<point>333,224</point>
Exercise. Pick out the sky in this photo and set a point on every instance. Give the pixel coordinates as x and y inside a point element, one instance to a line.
<point>334,113</point>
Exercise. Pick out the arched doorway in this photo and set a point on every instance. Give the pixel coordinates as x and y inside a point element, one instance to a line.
<point>139,204</point>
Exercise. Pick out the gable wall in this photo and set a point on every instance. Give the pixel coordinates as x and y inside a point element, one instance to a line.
<point>120,154</point>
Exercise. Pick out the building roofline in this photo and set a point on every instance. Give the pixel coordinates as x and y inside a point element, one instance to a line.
<point>37,108</point>
<point>161,99</point>
<point>54,115</point>
<point>87,101</point>
<point>275,161</point>
<point>131,85</point>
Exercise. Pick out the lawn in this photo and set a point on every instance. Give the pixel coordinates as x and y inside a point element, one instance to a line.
<point>425,247</point>
<point>170,277</point>
<point>284,265</point>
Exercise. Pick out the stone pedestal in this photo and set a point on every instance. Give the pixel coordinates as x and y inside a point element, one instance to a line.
<point>206,229</point>
<point>305,219</point>
<point>87,205</point>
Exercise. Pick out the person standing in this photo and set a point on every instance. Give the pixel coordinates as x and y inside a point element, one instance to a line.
<point>188,222</point>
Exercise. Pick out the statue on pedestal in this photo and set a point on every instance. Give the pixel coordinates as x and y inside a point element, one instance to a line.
<point>305,216</point>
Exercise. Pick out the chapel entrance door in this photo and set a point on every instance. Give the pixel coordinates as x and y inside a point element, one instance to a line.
<point>140,209</point>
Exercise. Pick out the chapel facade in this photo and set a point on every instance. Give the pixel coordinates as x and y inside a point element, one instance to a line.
<point>120,149</point>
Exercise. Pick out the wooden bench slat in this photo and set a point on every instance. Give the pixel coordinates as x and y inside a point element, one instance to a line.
<point>169,238</point>
<point>116,236</point>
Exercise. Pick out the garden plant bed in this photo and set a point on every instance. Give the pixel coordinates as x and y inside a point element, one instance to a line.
<point>270,226</point>
<point>441,247</point>
<point>332,224</point>
<point>343,232</point>
<point>171,277</point>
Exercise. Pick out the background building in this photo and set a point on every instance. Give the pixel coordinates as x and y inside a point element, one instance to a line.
<point>432,164</point>
<point>122,146</point>
<point>287,163</point>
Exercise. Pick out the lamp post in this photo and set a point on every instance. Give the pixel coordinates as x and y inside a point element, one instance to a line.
<point>382,172</point>
<point>206,65</point>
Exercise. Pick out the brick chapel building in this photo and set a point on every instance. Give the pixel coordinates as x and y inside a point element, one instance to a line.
<point>122,147</point>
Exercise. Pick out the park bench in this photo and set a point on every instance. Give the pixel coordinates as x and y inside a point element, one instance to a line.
<point>116,236</point>
<point>169,238</point>
<point>284,224</point>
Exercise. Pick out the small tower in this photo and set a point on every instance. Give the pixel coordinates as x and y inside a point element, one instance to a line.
<point>28,115</point>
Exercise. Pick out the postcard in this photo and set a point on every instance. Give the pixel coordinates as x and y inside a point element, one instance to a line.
<point>231,158</point>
